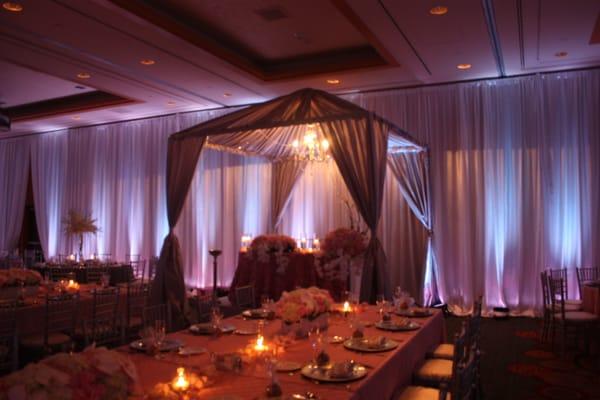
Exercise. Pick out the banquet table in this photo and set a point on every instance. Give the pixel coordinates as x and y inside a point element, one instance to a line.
<point>271,278</point>
<point>388,372</point>
<point>119,273</point>
<point>591,299</point>
<point>30,316</point>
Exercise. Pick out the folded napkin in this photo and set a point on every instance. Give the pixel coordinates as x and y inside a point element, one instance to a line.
<point>341,369</point>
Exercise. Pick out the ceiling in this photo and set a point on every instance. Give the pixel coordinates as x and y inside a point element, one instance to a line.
<point>67,63</point>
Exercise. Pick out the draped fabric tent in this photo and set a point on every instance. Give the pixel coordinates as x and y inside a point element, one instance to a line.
<point>361,143</point>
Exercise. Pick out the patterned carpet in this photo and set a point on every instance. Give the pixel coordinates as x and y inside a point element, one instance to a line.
<point>515,365</point>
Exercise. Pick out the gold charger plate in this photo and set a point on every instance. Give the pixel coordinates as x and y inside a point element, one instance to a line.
<point>323,373</point>
<point>360,345</point>
<point>393,327</point>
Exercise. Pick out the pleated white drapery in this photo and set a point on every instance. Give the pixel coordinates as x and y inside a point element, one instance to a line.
<point>14,170</point>
<point>514,169</point>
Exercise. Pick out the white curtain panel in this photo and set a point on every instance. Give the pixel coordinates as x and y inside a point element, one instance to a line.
<point>515,187</point>
<point>49,158</point>
<point>318,205</point>
<point>229,197</point>
<point>14,170</point>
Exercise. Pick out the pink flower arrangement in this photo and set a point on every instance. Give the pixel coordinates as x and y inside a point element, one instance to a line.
<point>19,276</point>
<point>94,374</point>
<point>273,244</point>
<point>344,241</point>
<point>303,303</point>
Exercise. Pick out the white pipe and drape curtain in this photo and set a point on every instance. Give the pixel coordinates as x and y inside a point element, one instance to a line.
<point>515,187</point>
<point>14,170</point>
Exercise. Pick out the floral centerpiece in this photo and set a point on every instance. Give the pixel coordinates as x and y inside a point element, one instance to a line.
<point>16,282</point>
<point>302,309</point>
<point>18,277</point>
<point>263,246</point>
<point>95,374</point>
<point>344,242</point>
<point>78,224</point>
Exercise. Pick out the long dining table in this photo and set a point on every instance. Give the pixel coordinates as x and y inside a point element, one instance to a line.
<point>387,373</point>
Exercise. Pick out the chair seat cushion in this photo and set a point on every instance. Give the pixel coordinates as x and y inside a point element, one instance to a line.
<point>574,302</point>
<point>54,339</point>
<point>435,370</point>
<point>445,351</point>
<point>420,393</point>
<point>578,316</point>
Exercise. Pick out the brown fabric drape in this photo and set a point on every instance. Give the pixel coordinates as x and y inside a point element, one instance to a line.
<point>168,285</point>
<point>412,173</point>
<point>359,148</point>
<point>284,176</point>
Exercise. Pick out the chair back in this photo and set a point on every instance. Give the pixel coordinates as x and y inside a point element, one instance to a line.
<point>562,274</point>
<point>138,269</point>
<point>556,290</point>
<point>464,378</point>
<point>474,325</point>
<point>59,274</point>
<point>204,304</point>
<point>244,296</point>
<point>545,290</point>
<point>151,314</point>
<point>94,274</point>
<point>137,296</point>
<point>103,327</point>
<point>585,276</point>
<point>9,342</point>
<point>60,316</point>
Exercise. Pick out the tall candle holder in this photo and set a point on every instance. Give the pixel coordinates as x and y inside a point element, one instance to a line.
<point>215,253</point>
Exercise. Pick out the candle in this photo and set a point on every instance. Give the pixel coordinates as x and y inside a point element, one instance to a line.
<point>346,306</point>
<point>92,256</point>
<point>316,243</point>
<point>260,345</point>
<point>303,243</point>
<point>180,383</point>
<point>72,257</point>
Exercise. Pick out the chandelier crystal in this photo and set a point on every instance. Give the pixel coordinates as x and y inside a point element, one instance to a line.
<point>314,146</point>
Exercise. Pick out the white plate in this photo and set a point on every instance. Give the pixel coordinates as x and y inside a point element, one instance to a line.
<point>323,374</point>
<point>206,329</point>
<point>287,366</point>
<point>246,332</point>
<point>258,313</point>
<point>391,326</point>
<point>415,313</point>
<point>358,345</point>
<point>191,351</point>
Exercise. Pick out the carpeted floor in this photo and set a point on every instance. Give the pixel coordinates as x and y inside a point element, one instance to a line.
<point>516,366</point>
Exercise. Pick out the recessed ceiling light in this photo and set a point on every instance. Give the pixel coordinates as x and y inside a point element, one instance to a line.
<point>438,10</point>
<point>333,81</point>
<point>147,62</point>
<point>226,94</point>
<point>463,66</point>
<point>171,103</point>
<point>79,87</point>
<point>11,6</point>
<point>83,75</point>
<point>561,54</point>
<point>76,117</point>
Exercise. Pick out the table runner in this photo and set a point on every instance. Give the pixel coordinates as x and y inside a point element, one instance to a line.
<point>388,371</point>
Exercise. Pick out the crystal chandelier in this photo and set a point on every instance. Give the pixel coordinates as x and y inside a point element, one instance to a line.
<point>313,147</point>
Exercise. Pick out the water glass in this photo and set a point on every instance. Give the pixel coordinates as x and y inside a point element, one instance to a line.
<point>215,318</point>
<point>105,280</point>
<point>159,332</point>
<point>315,338</point>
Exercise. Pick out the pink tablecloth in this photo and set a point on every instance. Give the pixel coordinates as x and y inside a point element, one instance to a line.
<point>388,371</point>
<point>591,299</point>
<point>271,278</point>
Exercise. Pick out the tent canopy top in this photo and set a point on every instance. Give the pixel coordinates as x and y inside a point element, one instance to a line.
<point>269,129</point>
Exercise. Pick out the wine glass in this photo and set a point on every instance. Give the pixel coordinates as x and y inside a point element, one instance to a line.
<point>159,333</point>
<point>315,338</point>
<point>215,318</point>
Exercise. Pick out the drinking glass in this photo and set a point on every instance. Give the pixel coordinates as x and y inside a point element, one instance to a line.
<point>105,280</point>
<point>315,338</point>
<point>215,318</point>
<point>159,332</point>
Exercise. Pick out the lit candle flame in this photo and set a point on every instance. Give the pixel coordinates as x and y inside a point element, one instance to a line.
<point>181,383</point>
<point>346,307</point>
<point>260,345</point>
